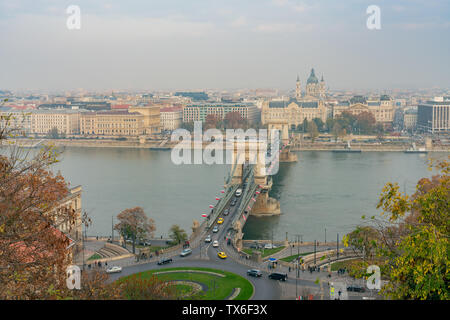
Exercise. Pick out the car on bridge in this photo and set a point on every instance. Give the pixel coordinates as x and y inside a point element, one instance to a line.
<point>278,276</point>
<point>226,212</point>
<point>215,244</point>
<point>215,229</point>
<point>238,192</point>
<point>222,255</point>
<point>185,252</point>
<point>233,203</point>
<point>208,238</point>
<point>220,221</point>
<point>165,261</point>
<point>254,273</point>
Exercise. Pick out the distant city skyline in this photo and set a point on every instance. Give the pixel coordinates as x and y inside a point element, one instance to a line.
<point>189,45</point>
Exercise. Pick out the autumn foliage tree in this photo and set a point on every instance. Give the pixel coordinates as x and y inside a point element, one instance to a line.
<point>234,120</point>
<point>411,242</point>
<point>211,121</point>
<point>134,224</point>
<point>33,252</point>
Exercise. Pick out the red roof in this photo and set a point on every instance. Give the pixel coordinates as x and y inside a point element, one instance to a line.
<point>21,107</point>
<point>171,109</point>
<point>120,106</point>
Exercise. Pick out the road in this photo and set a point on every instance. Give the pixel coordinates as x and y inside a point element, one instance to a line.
<point>205,255</point>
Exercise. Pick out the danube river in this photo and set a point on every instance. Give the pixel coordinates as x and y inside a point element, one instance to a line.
<point>323,190</point>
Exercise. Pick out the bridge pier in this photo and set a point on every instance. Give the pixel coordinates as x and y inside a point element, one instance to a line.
<point>287,156</point>
<point>266,206</point>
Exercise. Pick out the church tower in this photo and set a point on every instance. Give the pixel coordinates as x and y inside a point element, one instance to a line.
<point>312,85</point>
<point>298,89</point>
<point>322,88</point>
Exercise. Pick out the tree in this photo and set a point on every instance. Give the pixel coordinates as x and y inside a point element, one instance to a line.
<point>312,130</point>
<point>347,121</point>
<point>177,234</point>
<point>53,133</point>
<point>189,126</point>
<point>33,252</point>
<point>379,130</point>
<point>211,121</point>
<point>136,287</point>
<point>330,124</point>
<point>319,123</point>
<point>411,243</point>
<point>134,224</point>
<point>365,122</point>
<point>234,120</point>
<point>305,125</point>
<point>337,131</point>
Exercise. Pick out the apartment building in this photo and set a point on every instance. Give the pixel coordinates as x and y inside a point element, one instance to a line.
<point>65,121</point>
<point>171,117</point>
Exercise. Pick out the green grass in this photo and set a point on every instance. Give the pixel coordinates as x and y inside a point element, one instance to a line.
<point>95,256</point>
<point>223,286</point>
<point>293,257</point>
<point>341,264</point>
<point>264,252</point>
<point>182,289</point>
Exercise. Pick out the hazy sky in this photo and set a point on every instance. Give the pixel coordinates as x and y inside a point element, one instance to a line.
<point>190,44</point>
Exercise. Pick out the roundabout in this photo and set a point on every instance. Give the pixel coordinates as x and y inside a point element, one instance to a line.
<point>196,283</point>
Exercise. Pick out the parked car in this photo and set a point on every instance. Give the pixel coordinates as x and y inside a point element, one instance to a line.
<point>215,229</point>
<point>208,238</point>
<point>278,276</point>
<point>256,245</point>
<point>254,273</point>
<point>185,252</point>
<point>215,244</point>
<point>165,261</point>
<point>269,246</point>
<point>355,288</point>
<point>114,269</point>
<point>145,243</point>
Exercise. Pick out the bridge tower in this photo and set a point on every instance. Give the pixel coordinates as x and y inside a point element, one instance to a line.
<point>283,127</point>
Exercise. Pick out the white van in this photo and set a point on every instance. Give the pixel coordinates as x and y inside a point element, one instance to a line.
<point>238,192</point>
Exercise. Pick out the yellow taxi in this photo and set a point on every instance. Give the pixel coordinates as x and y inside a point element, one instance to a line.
<point>220,221</point>
<point>222,255</point>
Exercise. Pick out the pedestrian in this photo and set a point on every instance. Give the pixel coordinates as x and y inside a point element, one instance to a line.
<point>106,263</point>
<point>289,268</point>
